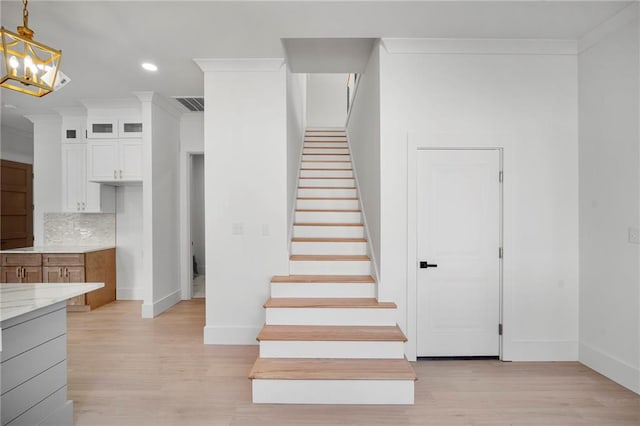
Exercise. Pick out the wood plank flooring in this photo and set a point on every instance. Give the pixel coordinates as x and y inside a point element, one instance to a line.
<point>124,370</point>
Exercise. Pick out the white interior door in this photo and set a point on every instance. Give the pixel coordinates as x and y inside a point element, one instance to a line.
<point>458,219</point>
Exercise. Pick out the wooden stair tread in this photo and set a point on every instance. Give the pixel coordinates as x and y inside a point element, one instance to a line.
<point>327,198</point>
<point>332,333</point>
<point>330,210</point>
<point>332,369</point>
<point>326,161</point>
<point>328,257</point>
<point>325,177</point>
<point>328,302</point>
<point>326,224</point>
<point>313,153</point>
<point>326,170</point>
<point>328,240</point>
<point>364,279</point>
<point>326,187</point>
<point>328,147</point>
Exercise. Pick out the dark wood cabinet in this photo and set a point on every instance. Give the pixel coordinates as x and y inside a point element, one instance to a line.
<point>21,268</point>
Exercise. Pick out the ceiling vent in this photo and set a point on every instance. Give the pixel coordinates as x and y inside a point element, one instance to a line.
<point>193,104</point>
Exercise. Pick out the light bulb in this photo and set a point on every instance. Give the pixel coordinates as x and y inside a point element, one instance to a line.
<point>28,63</point>
<point>13,63</point>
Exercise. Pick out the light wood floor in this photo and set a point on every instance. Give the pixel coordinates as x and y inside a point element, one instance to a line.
<point>124,370</point>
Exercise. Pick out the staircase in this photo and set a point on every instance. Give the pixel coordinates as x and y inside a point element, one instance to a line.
<point>327,339</point>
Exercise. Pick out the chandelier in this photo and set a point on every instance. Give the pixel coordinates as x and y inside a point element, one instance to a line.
<point>26,65</point>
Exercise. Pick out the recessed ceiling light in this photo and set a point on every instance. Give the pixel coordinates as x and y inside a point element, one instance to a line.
<point>149,66</point>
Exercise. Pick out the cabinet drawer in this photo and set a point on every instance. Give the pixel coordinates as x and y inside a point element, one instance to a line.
<point>66,259</point>
<point>20,259</point>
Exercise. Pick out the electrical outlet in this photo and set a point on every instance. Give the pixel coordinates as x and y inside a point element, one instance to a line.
<point>634,235</point>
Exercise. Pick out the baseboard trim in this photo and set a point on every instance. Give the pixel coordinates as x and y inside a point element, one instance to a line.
<point>533,350</point>
<point>156,308</point>
<point>230,335</point>
<point>129,294</point>
<point>611,367</point>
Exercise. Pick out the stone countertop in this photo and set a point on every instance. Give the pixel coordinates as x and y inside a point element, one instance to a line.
<point>19,299</point>
<point>56,249</point>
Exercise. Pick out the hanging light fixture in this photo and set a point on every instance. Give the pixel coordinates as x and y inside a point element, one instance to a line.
<point>27,66</point>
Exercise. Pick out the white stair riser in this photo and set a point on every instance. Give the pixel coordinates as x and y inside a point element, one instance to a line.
<point>302,231</point>
<point>284,290</point>
<point>334,137</point>
<point>331,316</point>
<point>343,248</point>
<point>326,145</point>
<point>325,165</point>
<point>326,173</point>
<point>327,204</point>
<point>327,157</point>
<point>397,392</point>
<point>327,192</point>
<point>306,182</point>
<point>328,217</point>
<point>325,151</point>
<point>329,267</point>
<point>331,349</point>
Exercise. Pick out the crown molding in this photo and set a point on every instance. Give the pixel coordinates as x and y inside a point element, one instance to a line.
<point>437,46</point>
<point>240,64</point>
<point>596,35</point>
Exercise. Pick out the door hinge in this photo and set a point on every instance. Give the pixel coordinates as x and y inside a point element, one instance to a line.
<point>499,252</point>
<point>499,329</point>
<point>500,176</point>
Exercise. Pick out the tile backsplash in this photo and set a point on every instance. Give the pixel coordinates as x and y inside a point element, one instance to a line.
<point>68,229</point>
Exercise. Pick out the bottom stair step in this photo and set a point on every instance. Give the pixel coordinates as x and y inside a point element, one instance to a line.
<point>332,381</point>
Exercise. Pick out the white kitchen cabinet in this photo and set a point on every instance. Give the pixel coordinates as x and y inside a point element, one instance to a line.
<point>130,128</point>
<point>110,128</point>
<point>78,194</point>
<point>102,128</point>
<point>115,161</point>
<point>74,129</point>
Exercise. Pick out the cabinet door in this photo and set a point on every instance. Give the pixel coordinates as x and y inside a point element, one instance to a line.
<point>130,160</point>
<point>74,177</point>
<point>102,128</point>
<point>21,259</point>
<point>102,159</point>
<point>31,274</point>
<point>74,274</point>
<point>130,128</point>
<point>52,274</point>
<point>10,274</point>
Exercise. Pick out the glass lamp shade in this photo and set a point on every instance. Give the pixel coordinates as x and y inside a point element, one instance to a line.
<point>26,65</point>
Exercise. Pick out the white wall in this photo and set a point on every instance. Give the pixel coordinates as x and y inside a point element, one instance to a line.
<point>16,145</point>
<point>160,204</point>
<point>197,212</point>
<point>47,170</point>
<point>525,102</point>
<point>326,100</point>
<point>609,91</point>
<point>363,129</point>
<point>245,138</point>
<point>296,124</point>
<point>129,242</point>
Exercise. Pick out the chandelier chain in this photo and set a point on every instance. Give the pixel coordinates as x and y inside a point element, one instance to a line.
<point>25,13</point>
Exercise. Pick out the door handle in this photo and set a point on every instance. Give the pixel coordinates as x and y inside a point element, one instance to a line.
<point>424,264</point>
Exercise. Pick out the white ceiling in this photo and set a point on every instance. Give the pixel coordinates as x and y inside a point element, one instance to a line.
<point>104,42</point>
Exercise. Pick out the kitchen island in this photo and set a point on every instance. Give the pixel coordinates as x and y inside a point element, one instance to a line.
<point>33,352</point>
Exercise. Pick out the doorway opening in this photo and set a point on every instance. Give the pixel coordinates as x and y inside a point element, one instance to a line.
<point>196,202</point>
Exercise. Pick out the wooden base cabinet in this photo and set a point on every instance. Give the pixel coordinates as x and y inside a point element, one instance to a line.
<point>21,268</point>
<point>97,266</point>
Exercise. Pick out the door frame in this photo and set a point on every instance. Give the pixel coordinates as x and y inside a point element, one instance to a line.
<point>186,264</point>
<point>412,242</point>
